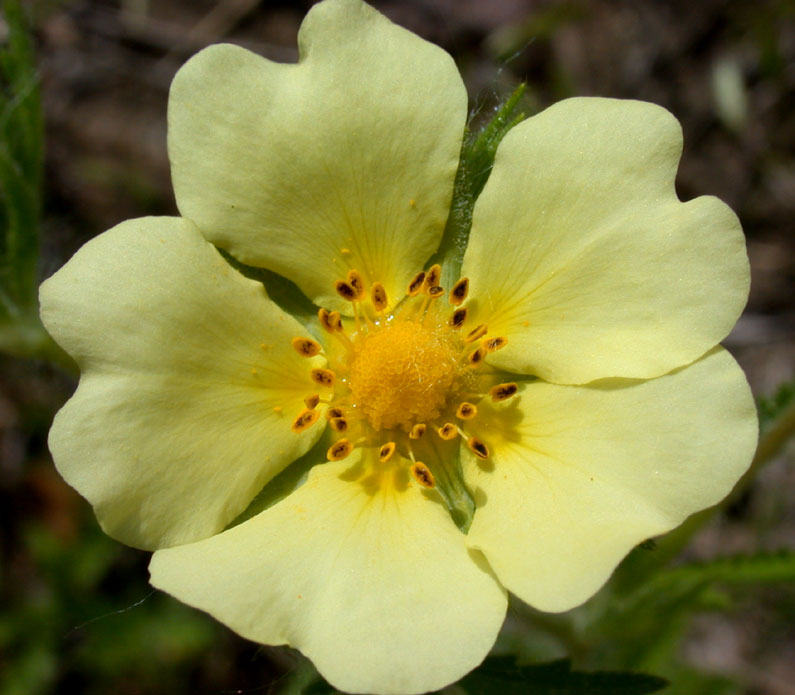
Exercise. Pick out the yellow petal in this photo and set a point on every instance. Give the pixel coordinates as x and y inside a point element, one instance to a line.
<point>580,475</point>
<point>368,577</point>
<point>174,426</point>
<point>582,254</point>
<point>345,160</point>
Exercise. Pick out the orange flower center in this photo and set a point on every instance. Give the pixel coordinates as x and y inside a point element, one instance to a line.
<point>404,373</point>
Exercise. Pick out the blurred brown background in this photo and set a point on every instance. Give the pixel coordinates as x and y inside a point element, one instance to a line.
<point>725,69</point>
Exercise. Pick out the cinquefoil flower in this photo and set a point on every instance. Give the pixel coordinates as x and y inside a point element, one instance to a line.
<point>573,364</point>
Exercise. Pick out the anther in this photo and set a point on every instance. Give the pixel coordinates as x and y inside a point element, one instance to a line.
<point>416,284</point>
<point>494,344</point>
<point>432,277</point>
<point>502,392</point>
<point>476,357</point>
<point>417,431</point>
<point>458,318</point>
<point>312,401</point>
<point>335,320</point>
<point>355,281</point>
<point>422,474</point>
<point>378,296</point>
<point>338,424</point>
<point>305,420</point>
<point>386,452</point>
<point>466,411</point>
<point>346,291</point>
<point>332,413</point>
<point>478,448</point>
<point>448,431</point>
<point>459,292</point>
<point>477,332</point>
<point>323,317</point>
<point>435,292</point>
<point>323,377</point>
<point>339,450</point>
<point>306,347</point>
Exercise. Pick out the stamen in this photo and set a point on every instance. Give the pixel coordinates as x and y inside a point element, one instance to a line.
<point>306,347</point>
<point>386,452</point>
<point>478,448</point>
<point>338,424</point>
<point>494,344</point>
<point>339,450</point>
<point>312,401</point>
<point>432,277</point>
<point>435,292</point>
<point>335,320</point>
<point>416,284</point>
<point>458,319</point>
<point>466,411</point>
<point>355,281</point>
<point>417,431</point>
<point>475,333</point>
<point>422,474</point>
<point>323,377</point>
<point>502,392</point>
<point>332,413</point>
<point>459,292</point>
<point>476,357</point>
<point>324,317</point>
<point>448,431</point>
<point>305,420</point>
<point>378,296</point>
<point>346,291</point>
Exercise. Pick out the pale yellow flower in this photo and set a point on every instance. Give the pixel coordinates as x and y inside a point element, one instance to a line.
<point>594,408</point>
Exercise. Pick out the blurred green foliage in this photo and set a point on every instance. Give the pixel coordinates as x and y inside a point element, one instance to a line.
<point>45,641</point>
<point>21,178</point>
<point>21,167</point>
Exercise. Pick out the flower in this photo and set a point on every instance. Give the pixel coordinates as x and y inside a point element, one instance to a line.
<point>573,363</point>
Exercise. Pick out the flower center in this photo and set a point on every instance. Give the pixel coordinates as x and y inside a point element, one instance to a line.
<point>403,374</point>
<point>398,375</point>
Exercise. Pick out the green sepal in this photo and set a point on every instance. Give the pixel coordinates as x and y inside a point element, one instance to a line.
<point>281,291</point>
<point>286,482</point>
<point>444,460</point>
<point>477,158</point>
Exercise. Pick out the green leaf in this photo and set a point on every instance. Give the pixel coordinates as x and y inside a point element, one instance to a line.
<point>477,158</point>
<point>645,627</point>
<point>500,675</point>
<point>760,568</point>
